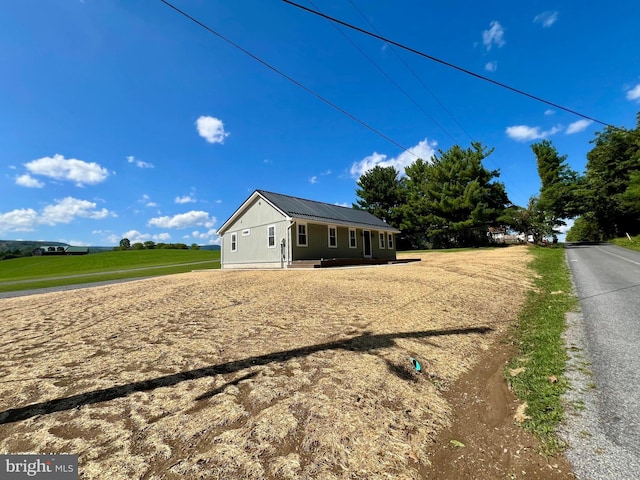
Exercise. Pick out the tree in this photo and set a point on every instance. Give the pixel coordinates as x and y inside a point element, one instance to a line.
<point>584,229</point>
<point>125,244</point>
<point>612,184</point>
<point>530,221</point>
<point>149,245</point>
<point>137,246</point>
<point>452,200</point>
<point>559,197</point>
<point>381,192</point>
<point>195,246</point>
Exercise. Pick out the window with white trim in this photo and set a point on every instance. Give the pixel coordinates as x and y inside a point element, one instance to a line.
<point>353,240</point>
<point>271,234</point>
<point>302,234</point>
<point>390,241</point>
<point>332,231</point>
<point>381,239</point>
<point>234,242</point>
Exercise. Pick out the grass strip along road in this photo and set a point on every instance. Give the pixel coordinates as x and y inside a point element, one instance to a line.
<point>536,373</point>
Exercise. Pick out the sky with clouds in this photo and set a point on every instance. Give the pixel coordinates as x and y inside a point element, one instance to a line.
<point>125,119</point>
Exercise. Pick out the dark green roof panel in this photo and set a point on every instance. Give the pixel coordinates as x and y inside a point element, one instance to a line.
<point>322,212</point>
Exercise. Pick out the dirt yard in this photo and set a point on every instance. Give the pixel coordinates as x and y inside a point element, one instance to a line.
<point>256,374</point>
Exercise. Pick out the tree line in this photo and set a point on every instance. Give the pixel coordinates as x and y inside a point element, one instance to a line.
<point>125,244</point>
<point>452,200</point>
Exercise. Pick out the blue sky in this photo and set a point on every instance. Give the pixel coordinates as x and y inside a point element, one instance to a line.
<point>123,118</point>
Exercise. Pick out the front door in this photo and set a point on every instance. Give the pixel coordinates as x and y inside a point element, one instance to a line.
<point>366,234</point>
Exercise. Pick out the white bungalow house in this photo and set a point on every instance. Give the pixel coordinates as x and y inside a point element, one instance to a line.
<point>271,230</point>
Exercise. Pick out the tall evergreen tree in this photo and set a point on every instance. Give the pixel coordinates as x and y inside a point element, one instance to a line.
<point>559,190</point>
<point>381,192</point>
<point>453,199</point>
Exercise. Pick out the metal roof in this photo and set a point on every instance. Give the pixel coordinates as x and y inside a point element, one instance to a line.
<point>313,211</point>
<point>302,209</point>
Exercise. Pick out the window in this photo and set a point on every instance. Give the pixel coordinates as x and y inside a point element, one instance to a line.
<point>390,241</point>
<point>271,234</point>
<point>353,242</point>
<point>234,242</point>
<point>381,238</point>
<point>302,234</point>
<point>333,236</point>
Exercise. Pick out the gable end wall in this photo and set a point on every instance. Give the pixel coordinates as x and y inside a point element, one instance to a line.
<point>253,249</point>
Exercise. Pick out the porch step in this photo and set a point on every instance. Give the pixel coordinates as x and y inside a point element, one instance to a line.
<point>305,264</point>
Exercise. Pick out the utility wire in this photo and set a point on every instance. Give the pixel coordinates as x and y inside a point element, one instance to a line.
<point>292,80</point>
<point>415,75</point>
<point>448,64</point>
<point>388,77</point>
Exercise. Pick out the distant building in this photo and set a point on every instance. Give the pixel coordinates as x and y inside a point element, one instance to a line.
<point>271,230</point>
<point>60,250</point>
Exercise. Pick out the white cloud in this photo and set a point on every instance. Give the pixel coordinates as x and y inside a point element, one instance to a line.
<point>71,169</point>
<point>194,218</point>
<point>491,66</point>
<point>563,229</point>
<point>493,36</point>
<point>210,237</point>
<point>67,209</point>
<point>146,199</point>
<point>135,236</point>
<point>424,150</point>
<point>62,211</point>
<point>204,235</point>
<point>211,129</point>
<point>524,133</point>
<point>547,18</point>
<point>549,112</point>
<point>313,179</point>
<point>634,93</point>
<point>28,181</point>
<point>185,199</point>
<point>578,126</point>
<point>22,220</point>
<point>139,163</point>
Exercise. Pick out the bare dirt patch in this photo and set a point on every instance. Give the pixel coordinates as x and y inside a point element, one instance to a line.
<point>255,375</point>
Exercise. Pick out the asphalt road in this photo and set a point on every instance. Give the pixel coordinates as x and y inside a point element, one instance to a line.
<point>604,432</point>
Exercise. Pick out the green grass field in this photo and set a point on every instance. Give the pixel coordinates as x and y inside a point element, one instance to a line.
<point>633,244</point>
<point>41,272</point>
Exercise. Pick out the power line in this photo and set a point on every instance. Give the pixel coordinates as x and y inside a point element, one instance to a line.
<point>448,64</point>
<point>292,80</point>
<point>415,75</point>
<point>388,77</point>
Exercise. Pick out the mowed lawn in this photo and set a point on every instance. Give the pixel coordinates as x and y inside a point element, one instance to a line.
<point>253,374</point>
<point>49,271</point>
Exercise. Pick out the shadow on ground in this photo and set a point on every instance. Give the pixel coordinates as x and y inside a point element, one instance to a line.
<point>362,343</point>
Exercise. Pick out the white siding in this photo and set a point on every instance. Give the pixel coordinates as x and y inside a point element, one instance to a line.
<point>253,248</point>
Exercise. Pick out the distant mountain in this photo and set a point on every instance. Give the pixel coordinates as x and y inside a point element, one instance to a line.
<point>209,247</point>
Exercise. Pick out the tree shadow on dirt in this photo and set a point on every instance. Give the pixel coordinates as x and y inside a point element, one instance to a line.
<point>362,343</point>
